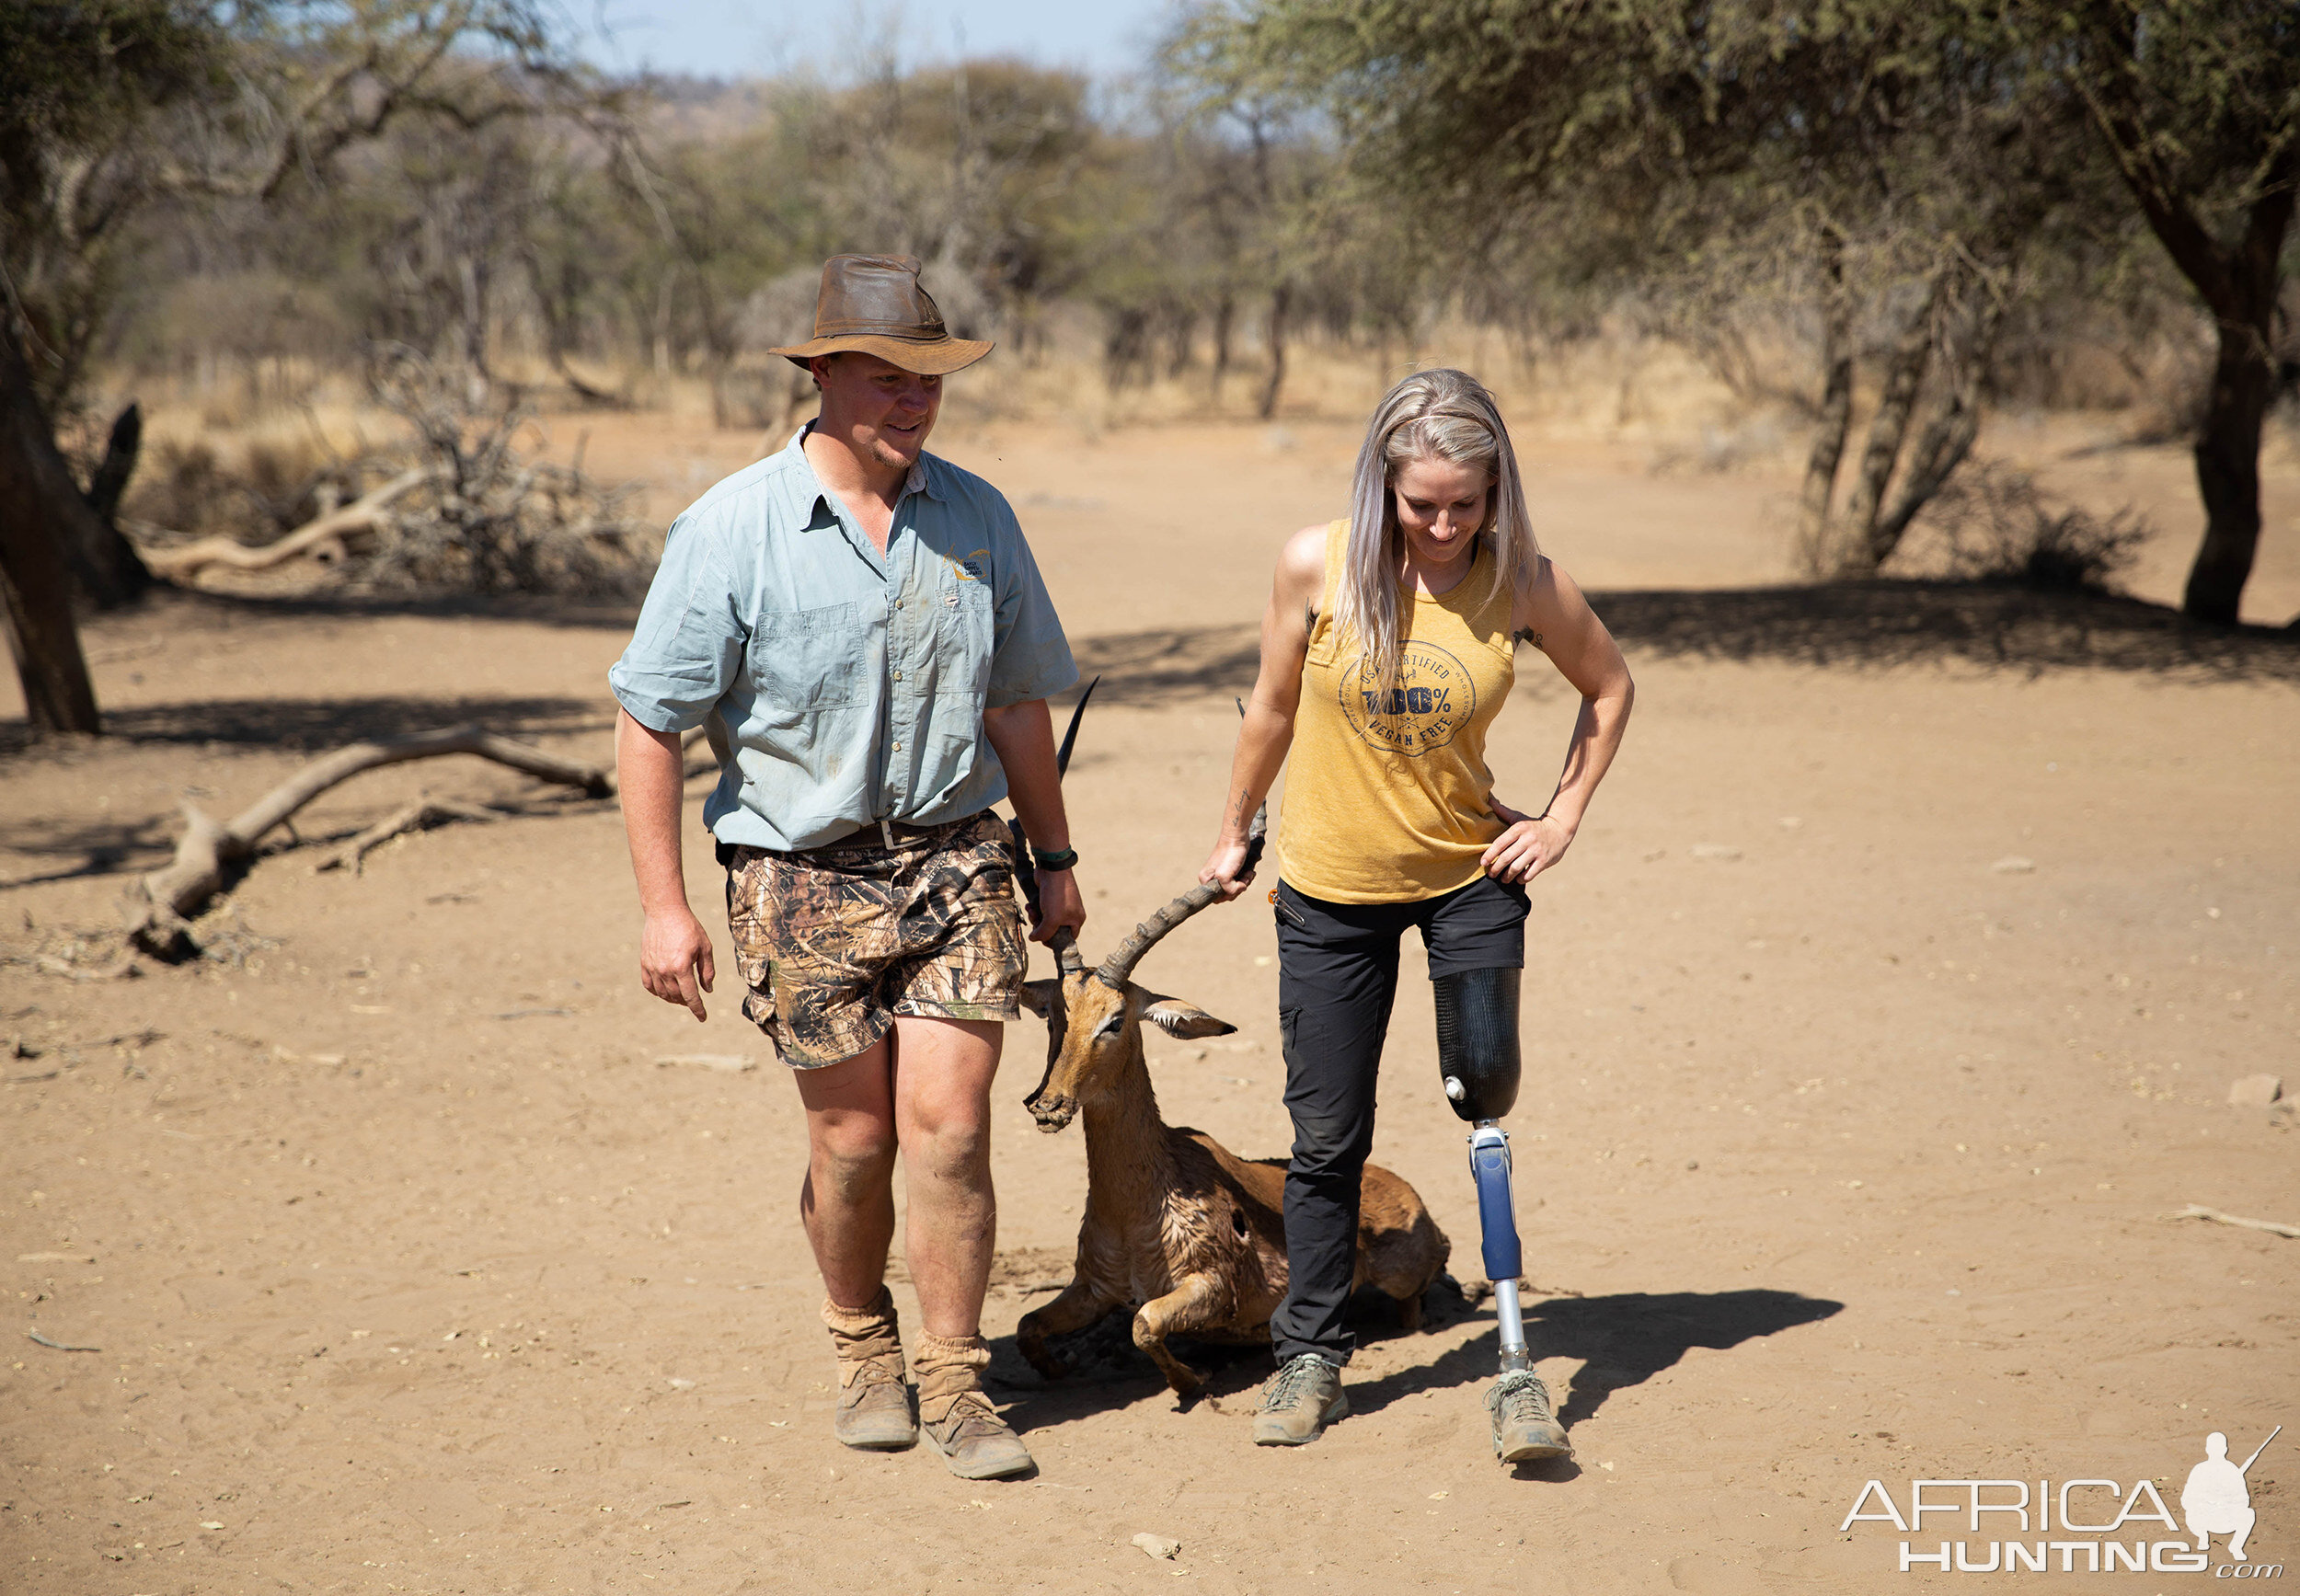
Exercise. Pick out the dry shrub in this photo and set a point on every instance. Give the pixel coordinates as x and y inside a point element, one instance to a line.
<point>1997,527</point>
<point>470,507</point>
<point>273,486</point>
<point>491,518</point>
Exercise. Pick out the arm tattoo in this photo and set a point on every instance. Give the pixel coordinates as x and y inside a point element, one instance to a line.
<point>1527,634</point>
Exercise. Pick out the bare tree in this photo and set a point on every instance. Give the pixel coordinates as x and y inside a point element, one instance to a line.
<point>107,107</point>
<point>2199,109</point>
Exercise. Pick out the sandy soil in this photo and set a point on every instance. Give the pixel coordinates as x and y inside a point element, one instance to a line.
<point>1885,1007</point>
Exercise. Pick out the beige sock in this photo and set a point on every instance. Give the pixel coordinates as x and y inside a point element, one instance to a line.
<point>950,1369</point>
<point>866,1338</point>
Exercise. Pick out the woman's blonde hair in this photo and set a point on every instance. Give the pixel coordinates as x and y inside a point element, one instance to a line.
<point>1439,415</point>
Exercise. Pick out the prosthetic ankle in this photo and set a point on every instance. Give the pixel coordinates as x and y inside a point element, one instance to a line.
<point>1477,1054</point>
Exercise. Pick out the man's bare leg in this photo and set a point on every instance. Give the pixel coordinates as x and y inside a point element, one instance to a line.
<point>943,1070</point>
<point>848,1201</point>
<point>848,1204</point>
<point>942,1073</point>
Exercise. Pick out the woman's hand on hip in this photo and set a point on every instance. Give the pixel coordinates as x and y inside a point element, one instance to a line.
<point>1528,844</point>
<point>1225,867</point>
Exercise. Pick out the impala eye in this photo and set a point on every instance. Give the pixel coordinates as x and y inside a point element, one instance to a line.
<point>1110,1027</point>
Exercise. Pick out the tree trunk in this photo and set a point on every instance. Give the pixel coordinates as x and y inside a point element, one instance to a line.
<point>103,565</point>
<point>36,492</point>
<point>2228,474</point>
<point>1224,309</point>
<point>118,463</point>
<point>1281,298</point>
<point>2239,282</point>
<point>1854,538</point>
<point>1836,409</point>
<point>555,308</point>
<point>1945,442</point>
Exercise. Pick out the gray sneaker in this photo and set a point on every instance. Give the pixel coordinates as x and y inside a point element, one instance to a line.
<point>1525,1429</point>
<point>1300,1401</point>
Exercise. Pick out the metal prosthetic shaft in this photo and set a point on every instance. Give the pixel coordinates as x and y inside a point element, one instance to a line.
<point>1477,1053</point>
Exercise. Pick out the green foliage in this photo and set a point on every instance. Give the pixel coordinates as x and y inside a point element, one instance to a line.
<point>78,84</point>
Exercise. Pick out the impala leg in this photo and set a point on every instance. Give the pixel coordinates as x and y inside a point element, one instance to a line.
<point>1079,1304</point>
<point>1200,1302</point>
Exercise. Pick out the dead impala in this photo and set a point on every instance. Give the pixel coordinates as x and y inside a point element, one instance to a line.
<point>1177,1225</point>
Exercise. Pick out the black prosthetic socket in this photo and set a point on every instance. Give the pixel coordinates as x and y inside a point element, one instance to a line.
<point>1477,1033</point>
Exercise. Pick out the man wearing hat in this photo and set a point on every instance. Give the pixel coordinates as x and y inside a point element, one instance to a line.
<point>867,625</point>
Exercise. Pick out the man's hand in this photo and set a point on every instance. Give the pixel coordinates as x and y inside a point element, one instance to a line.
<point>675,959</point>
<point>1060,904</point>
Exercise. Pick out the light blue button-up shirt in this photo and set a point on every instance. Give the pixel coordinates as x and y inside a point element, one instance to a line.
<point>852,685</point>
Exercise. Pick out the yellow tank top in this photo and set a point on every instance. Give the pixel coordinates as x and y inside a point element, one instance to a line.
<point>1386,795</point>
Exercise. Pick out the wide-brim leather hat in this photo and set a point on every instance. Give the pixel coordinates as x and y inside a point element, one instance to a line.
<point>874,304</point>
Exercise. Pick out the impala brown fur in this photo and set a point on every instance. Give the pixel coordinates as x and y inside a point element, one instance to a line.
<point>1175,1222</point>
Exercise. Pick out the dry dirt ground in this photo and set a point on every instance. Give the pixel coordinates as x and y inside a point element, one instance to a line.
<point>1886,1006</point>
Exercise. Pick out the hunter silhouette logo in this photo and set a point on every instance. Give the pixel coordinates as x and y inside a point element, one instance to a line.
<point>2216,1500</point>
<point>2078,1526</point>
<point>1432,699</point>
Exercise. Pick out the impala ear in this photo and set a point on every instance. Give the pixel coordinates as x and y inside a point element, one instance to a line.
<point>1177,1018</point>
<point>1038,996</point>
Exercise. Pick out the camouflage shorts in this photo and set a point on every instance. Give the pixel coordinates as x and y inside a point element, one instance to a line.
<point>833,942</point>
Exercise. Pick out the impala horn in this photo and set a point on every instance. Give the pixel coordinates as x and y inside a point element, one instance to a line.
<point>1064,942</point>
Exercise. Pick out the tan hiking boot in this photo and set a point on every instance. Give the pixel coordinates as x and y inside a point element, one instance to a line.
<point>958,1419</point>
<point>874,1405</point>
<point>1300,1401</point>
<point>1524,1429</point>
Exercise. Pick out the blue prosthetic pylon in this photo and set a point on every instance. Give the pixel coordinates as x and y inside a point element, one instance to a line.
<point>1497,1219</point>
<point>1477,1051</point>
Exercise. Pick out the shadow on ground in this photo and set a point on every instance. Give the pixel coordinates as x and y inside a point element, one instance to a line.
<point>1107,1369</point>
<point>1621,1341</point>
<point>1858,624</point>
<point>1830,623</point>
<point>319,725</point>
<point>1897,623</point>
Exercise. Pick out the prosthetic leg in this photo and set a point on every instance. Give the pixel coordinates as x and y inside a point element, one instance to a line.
<point>1477,1054</point>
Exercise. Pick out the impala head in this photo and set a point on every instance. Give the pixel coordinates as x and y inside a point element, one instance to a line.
<point>1094,1016</point>
<point>1094,1038</point>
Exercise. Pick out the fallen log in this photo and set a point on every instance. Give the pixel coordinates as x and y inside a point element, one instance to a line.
<point>212,853</point>
<point>364,513</point>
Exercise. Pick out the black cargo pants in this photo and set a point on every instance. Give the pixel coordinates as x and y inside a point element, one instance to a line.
<point>1337,979</point>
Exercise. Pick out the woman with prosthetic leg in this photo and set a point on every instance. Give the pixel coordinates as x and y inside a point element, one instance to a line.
<point>1388,649</point>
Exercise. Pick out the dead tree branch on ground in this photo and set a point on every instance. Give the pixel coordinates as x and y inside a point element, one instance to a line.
<point>366,514</point>
<point>215,853</point>
<point>421,815</point>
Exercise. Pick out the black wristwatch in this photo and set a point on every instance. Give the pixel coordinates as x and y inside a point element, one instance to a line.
<point>1063,859</point>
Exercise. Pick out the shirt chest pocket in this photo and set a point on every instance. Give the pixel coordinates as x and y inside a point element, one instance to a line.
<point>958,640</point>
<point>814,659</point>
